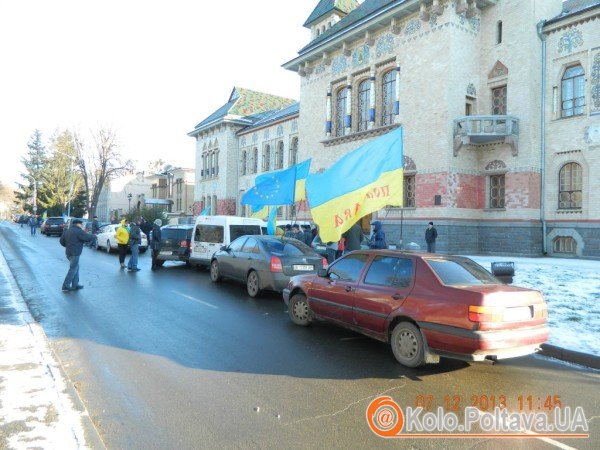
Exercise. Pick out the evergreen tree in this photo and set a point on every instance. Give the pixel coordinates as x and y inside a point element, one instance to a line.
<point>34,163</point>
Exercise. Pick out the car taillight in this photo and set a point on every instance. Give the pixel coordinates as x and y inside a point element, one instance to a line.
<point>184,244</point>
<point>275,265</point>
<point>325,263</point>
<point>485,314</point>
<point>540,311</point>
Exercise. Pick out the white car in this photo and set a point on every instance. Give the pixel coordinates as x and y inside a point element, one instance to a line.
<point>106,239</point>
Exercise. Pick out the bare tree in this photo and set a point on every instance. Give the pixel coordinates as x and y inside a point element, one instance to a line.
<point>99,164</point>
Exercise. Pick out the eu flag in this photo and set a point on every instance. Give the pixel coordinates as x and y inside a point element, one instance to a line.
<point>273,189</point>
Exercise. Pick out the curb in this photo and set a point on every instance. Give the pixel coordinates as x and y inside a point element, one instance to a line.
<point>583,359</point>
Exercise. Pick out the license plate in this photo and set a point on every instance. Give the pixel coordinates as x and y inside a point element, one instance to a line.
<point>166,253</point>
<point>53,226</point>
<point>516,314</point>
<point>303,267</point>
<point>320,247</point>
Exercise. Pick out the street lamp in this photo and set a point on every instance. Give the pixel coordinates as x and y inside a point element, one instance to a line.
<point>129,196</point>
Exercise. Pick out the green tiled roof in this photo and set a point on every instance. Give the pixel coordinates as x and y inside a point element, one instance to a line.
<point>327,6</point>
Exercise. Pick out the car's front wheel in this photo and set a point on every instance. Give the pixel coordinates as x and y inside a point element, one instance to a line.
<point>215,275</point>
<point>407,345</point>
<point>252,284</point>
<point>299,310</point>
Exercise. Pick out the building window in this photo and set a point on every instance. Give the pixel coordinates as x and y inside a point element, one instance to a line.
<point>497,183</point>
<point>388,93</point>
<point>364,98</point>
<point>255,160</point>
<point>573,91</point>
<point>266,162</point>
<point>279,156</point>
<point>499,32</point>
<point>565,244</point>
<point>217,163</point>
<point>244,163</point>
<point>409,191</point>
<point>499,101</point>
<point>570,186</point>
<point>340,112</point>
<point>294,152</point>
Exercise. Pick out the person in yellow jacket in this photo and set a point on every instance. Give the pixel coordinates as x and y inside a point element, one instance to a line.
<point>122,237</point>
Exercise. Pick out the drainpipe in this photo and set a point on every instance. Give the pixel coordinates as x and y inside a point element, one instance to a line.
<point>542,37</point>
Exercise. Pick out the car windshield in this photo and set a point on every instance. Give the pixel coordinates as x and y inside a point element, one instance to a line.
<point>54,221</point>
<point>287,247</point>
<point>461,272</point>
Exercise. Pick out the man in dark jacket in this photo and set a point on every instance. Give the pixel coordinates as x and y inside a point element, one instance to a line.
<point>135,239</point>
<point>297,233</point>
<point>377,236</point>
<point>95,225</point>
<point>430,237</point>
<point>155,244</point>
<point>352,238</point>
<point>72,239</point>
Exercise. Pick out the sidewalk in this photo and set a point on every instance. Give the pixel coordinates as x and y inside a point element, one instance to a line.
<point>38,408</point>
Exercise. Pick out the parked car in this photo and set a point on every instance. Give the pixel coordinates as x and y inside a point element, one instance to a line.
<point>424,305</point>
<point>53,226</point>
<point>175,243</point>
<point>106,239</point>
<point>264,262</point>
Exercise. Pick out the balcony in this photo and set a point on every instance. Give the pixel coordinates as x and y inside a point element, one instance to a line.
<point>482,130</point>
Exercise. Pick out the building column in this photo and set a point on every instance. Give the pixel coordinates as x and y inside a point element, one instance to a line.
<point>348,118</point>
<point>328,113</point>
<point>397,102</point>
<point>372,101</point>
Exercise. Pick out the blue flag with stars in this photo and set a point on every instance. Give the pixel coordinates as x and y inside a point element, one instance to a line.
<point>273,189</point>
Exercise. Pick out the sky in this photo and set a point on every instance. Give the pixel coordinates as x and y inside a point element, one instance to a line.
<point>150,70</point>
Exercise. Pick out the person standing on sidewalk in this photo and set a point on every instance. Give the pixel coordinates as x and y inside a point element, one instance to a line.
<point>155,244</point>
<point>122,237</point>
<point>73,239</point>
<point>353,237</point>
<point>33,224</point>
<point>135,239</point>
<point>430,237</point>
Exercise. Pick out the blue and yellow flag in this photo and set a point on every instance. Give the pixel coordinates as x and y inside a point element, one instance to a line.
<point>363,181</point>
<point>275,188</point>
<point>271,228</point>
<point>302,170</point>
<point>205,212</point>
<point>261,213</point>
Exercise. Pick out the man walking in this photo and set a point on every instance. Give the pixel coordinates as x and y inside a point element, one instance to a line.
<point>155,244</point>
<point>135,239</point>
<point>33,222</point>
<point>122,237</point>
<point>430,237</point>
<point>72,239</point>
<point>352,238</point>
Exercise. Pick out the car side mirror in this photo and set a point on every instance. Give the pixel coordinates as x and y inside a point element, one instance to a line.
<point>225,248</point>
<point>322,273</point>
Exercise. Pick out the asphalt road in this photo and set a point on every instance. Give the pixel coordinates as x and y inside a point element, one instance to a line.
<point>169,360</point>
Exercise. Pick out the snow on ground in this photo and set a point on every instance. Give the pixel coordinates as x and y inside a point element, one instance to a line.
<point>572,290</point>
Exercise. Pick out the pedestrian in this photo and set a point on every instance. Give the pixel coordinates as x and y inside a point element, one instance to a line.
<point>377,240</point>
<point>73,239</point>
<point>122,237</point>
<point>353,237</point>
<point>135,239</point>
<point>155,244</point>
<point>32,225</point>
<point>297,233</point>
<point>288,231</point>
<point>331,249</point>
<point>146,226</point>
<point>430,237</point>
<point>95,225</point>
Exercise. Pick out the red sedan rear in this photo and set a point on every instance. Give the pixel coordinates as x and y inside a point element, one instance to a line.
<point>424,305</point>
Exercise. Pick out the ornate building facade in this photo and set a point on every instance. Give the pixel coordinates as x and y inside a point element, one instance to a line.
<point>499,103</point>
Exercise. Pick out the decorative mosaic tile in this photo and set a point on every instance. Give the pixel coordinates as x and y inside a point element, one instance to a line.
<point>360,56</point>
<point>592,135</point>
<point>339,64</point>
<point>475,23</point>
<point>280,130</point>
<point>319,69</point>
<point>570,41</point>
<point>412,27</point>
<point>385,44</point>
<point>471,90</point>
<point>596,83</point>
<point>462,18</point>
<point>433,20</point>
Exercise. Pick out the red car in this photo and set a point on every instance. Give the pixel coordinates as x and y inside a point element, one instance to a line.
<point>424,305</point>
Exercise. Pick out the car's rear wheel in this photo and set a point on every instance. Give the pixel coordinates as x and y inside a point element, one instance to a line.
<point>407,345</point>
<point>299,310</point>
<point>215,275</point>
<point>108,247</point>
<point>160,262</point>
<point>252,284</point>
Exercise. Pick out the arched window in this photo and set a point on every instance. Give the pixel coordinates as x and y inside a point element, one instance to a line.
<point>340,111</point>
<point>279,156</point>
<point>214,205</point>
<point>573,91</point>
<point>266,165</point>
<point>255,160</point>
<point>244,163</point>
<point>364,98</point>
<point>570,186</point>
<point>294,152</point>
<point>565,244</point>
<point>388,97</point>
<point>210,164</point>
<point>216,162</point>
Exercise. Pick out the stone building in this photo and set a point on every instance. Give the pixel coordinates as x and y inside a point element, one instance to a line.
<point>217,157</point>
<point>172,190</point>
<point>121,194</point>
<point>464,79</point>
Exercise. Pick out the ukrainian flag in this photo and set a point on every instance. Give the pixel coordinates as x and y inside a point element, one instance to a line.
<point>261,213</point>
<point>363,181</point>
<point>302,169</point>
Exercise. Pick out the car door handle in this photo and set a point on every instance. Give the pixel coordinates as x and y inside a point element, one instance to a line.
<point>398,297</point>
<point>348,289</point>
